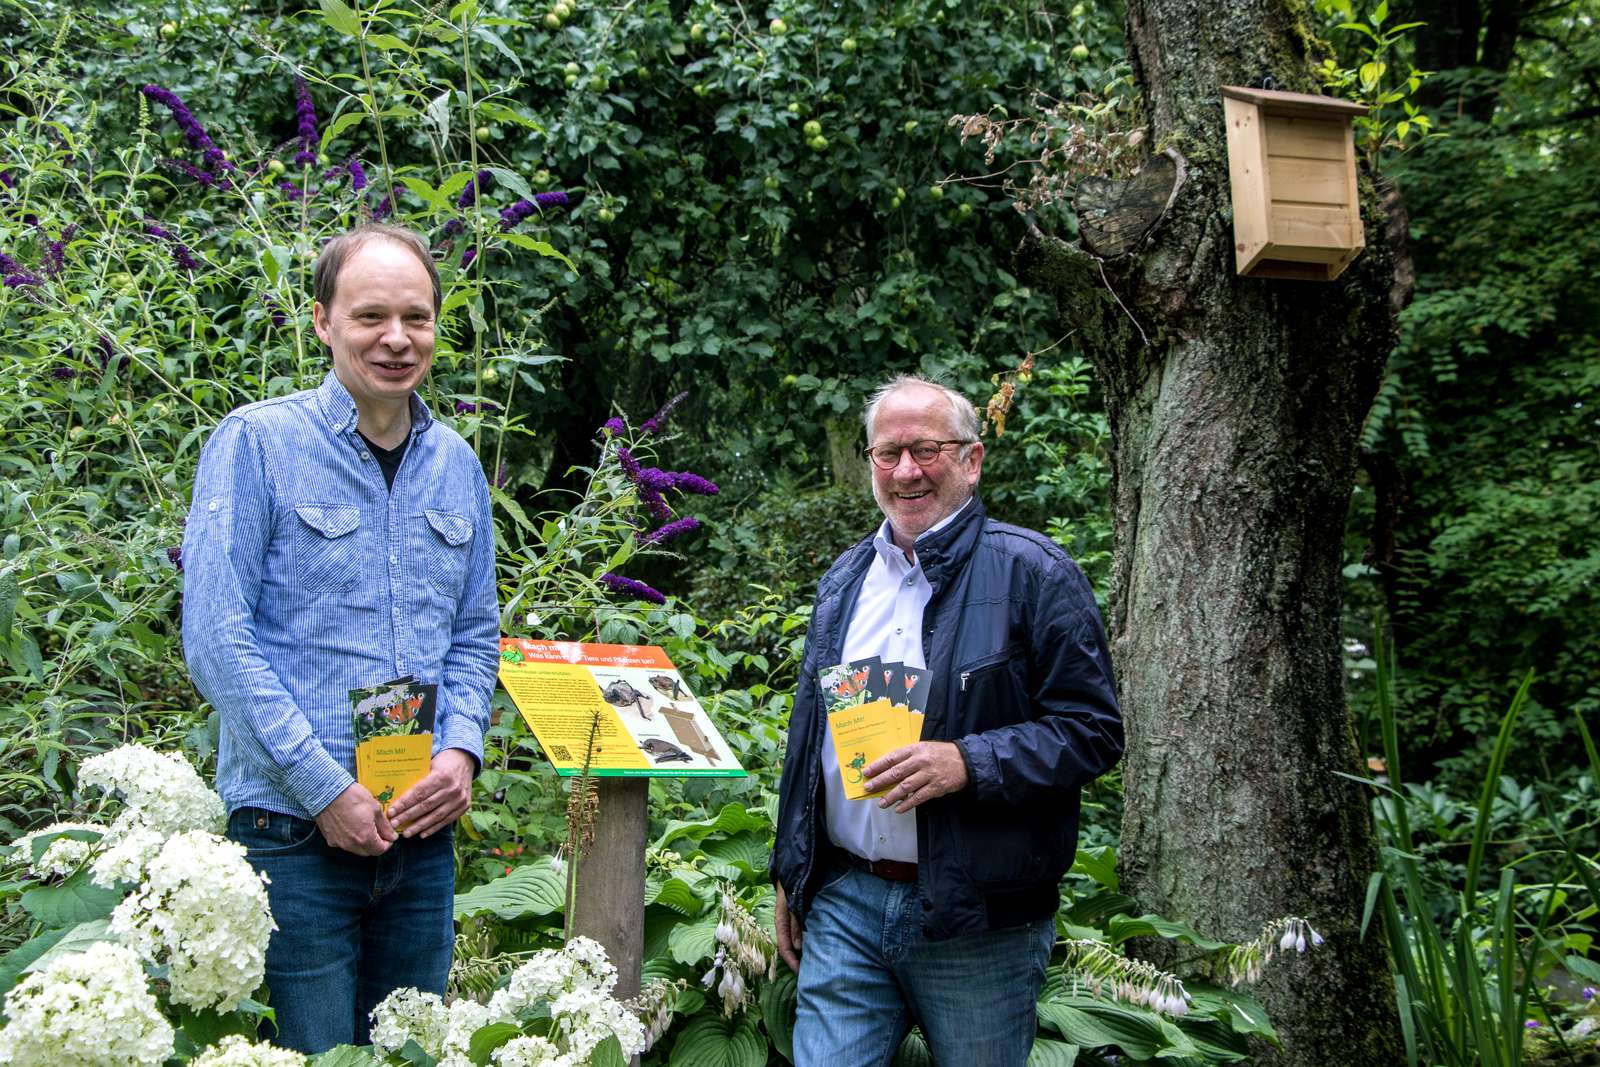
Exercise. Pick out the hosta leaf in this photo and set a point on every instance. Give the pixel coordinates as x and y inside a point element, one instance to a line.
<point>913,1052</point>
<point>777,999</point>
<point>747,850</point>
<point>532,889</point>
<point>1048,1052</point>
<point>712,1041</point>
<point>695,939</point>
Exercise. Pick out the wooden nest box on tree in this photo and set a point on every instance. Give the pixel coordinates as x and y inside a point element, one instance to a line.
<point>1292,171</point>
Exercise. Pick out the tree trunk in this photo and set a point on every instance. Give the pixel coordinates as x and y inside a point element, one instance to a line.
<point>1235,406</point>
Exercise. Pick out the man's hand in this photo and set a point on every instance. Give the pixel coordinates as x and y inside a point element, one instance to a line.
<point>789,930</point>
<point>355,823</point>
<point>916,774</point>
<point>439,799</point>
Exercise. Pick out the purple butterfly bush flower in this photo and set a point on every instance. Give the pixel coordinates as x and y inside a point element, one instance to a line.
<point>382,209</point>
<point>614,427</point>
<point>291,190</point>
<point>655,479</point>
<point>62,372</point>
<point>636,589</point>
<point>17,281</point>
<point>630,466</point>
<point>305,115</point>
<point>106,350</point>
<point>501,477</point>
<point>192,130</point>
<point>468,256</point>
<point>690,482</point>
<point>9,265</point>
<point>478,184</point>
<point>675,528</point>
<point>466,407</point>
<point>175,557</point>
<point>654,423</point>
<point>7,180</point>
<point>194,173</point>
<point>453,227</point>
<point>184,258</point>
<point>155,229</point>
<point>277,315</point>
<point>510,216</point>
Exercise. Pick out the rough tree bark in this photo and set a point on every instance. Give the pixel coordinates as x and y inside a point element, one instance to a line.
<point>1235,407</point>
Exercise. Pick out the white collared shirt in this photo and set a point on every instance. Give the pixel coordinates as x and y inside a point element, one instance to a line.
<point>887,623</point>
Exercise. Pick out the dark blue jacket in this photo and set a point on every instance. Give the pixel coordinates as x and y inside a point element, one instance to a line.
<point>1021,680</point>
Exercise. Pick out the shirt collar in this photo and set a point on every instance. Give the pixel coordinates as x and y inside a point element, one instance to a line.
<point>884,541</point>
<point>339,407</point>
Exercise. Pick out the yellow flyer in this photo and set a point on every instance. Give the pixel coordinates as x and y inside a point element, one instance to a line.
<point>861,735</point>
<point>622,708</point>
<point>393,727</point>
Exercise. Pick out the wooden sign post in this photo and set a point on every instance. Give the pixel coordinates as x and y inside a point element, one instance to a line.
<point>609,903</point>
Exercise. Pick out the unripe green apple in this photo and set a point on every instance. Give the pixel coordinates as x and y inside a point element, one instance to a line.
<point>275,167</point>
<point>572,68</point>
<point>490,376</point>
<point>848,44</point>
<point>1080,52</point>
<point>605,214</point>
<point>697,32</point>
<point>570,80</point>
<point>911,124</point>
<point>935,192</point>
<point>481,133</point>
<point>819,143</point>
<point>552,21</point>
<point>794,107</point>
<point>964,211</point>
<point>812,128</point>
<point>770,181</point>
<point>778,27</point>
<point>561,10</point>
<point>169,30</point>
<point>1077,11</point>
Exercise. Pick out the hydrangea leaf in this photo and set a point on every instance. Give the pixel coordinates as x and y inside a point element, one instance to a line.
<point>77,900</point>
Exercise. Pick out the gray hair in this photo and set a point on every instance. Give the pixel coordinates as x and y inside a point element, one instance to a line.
<point>963,416</point>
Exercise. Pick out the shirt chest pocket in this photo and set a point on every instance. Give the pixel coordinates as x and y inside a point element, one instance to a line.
<point>327,548</point>
<point>442,543</point>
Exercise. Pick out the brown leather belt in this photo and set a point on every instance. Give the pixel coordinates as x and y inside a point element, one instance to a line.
<point>888,870</point>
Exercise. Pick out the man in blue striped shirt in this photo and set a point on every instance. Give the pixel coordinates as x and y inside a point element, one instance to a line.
<point>339,538</point>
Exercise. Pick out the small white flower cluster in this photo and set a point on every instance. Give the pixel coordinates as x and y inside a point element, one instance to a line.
<point>654,1007</point>
<point>237,1051</point>
<point>1244,963</point>
<point>60,857</point>
<point>162,796</point>
<point>202,911</point>
<point>573,984</point>
<point>744,950</point>
<point>1134,981</point>
<point>91,1009</point>
<point>408,1014</point>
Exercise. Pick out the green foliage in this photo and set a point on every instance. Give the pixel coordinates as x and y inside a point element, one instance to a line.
<point>1371,81</point>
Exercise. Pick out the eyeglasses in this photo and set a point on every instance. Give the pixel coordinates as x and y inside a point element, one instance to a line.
<point>887,457</point>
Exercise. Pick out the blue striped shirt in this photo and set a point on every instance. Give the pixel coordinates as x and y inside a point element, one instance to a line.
<point>305,577</point>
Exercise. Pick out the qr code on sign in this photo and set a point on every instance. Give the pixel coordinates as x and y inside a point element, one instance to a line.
<point>560,752</point>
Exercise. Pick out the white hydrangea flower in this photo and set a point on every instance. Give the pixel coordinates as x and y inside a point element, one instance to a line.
<point>61,857</point>
<point>530,1051</point>
<point>410,1015</point>
<point>237,1051</point>
<point>90,1009</point>
<point>465,1018</point>
<point>573,983</point>
<point>162,795</point>
<point>202,911</point>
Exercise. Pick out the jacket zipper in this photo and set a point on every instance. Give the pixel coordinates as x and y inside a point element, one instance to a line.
<point>964,676</point>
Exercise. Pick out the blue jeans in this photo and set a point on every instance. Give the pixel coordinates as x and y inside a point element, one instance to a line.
<point>867,974</point>
<point>351,929</point>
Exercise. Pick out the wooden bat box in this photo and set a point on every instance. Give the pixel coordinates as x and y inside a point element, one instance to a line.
<point>1292,172</point>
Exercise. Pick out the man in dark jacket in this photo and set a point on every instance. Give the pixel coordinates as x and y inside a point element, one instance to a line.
<point>934,903</point>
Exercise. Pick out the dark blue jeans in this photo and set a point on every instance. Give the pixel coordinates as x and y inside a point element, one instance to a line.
<point>867,973</point>
<point>351,929</point>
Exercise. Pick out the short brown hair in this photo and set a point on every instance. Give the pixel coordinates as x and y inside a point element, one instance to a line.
<point>341,248</point>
